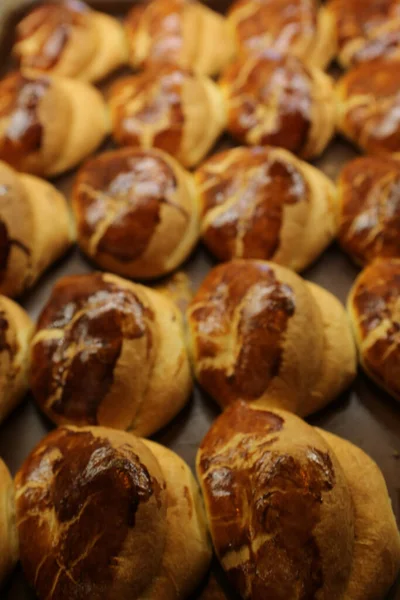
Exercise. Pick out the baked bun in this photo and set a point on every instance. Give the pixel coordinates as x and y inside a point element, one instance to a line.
<point>16,330</point>
<point>260,333</point>
<point>359,21</point>
<point>277,100</point>
<point>49,124</point>
<point>137,212</point>
<point>184,33</point>
<point>8,529</point>
<point>109,352</point>
<point>112,516</point>
<point>71,40</point>
<point>382,42</point>
<point>368,106</point>
<point>369,198</point>
<point>374,311</point>
<point>170,109</point>
<point>265,203</point>
<point>298,27</point>
<point>35,229</point>
<point>295,512</point>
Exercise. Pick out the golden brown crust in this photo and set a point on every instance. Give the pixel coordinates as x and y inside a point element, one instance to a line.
<point>136,212</point>
<point>357,20</point>
<point>8,529</point>
<point>258,203</point>
<point>368,106</point>
<point>275,99</point>
<point>382,42</point>
<point>166,108</point>
<point>272,489</point>
<point>102,342</point>
<point>369,195</point>
<point>374,311</point>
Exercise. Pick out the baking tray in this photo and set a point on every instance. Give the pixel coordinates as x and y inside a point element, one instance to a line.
<point>365,415</point>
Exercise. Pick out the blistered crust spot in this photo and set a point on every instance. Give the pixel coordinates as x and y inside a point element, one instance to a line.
<point>370,210</point>
<point>263,25</point>
<point>21,131</point>
<point>250,189</point>
<point>120,196</point>
<point>371,106</point>
<point>239,319</point>
<point>63,498</point>
<point>264,506</point>
<point>269,101</point>
<point>48,28</point>
<point>88,319</point>
<point>147,109</point>
<point>376,304</point>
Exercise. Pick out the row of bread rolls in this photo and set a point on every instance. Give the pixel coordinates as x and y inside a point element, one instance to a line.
<point>110,352</point>
<point>291,509</point>
<point>71,40</point>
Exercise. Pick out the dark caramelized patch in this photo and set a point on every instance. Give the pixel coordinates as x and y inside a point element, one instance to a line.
<point>6,243</point>
<point>370,211</point>
<point>93,493</point>
<point>266,503</point>
<point>162,22</point>
<point>261,184</point>
<point>123,192</point>
<point>376,304</point>
<point>271,25</point>
<point>150,103</point>
<point>4,327</point>
<point>244,300</point>
<point>275,85</point>
<point>77,369</point>
<point>50,25</point>
<point>374,122</point>
<point>22,131</point>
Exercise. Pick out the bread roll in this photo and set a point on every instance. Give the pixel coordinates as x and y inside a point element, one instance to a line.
<point>184,33</point>
<point>260,333</point>
<point>16,330</point>
<point>35,229</point>
<point>369,198</point>
<point>358,21</point>
<point>109,352</point>
<point>49,124</point>
<point>137,212</point>
<point>265,203</point>
<point>71,40</point>
<point>368,106</point>
<point>8,529</point>
<point>275,99</point>
<point>170,109</point>
<point>373,306</point>
<point>112,516</point>
<point>299,27</point>
<point>382,42</point>
<point>295,512</point>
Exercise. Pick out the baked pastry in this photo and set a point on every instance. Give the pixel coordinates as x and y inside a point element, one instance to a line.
<point>184,33</point>
<point>35,229</point>
<point>109,352</point>
<point>369,198</point>
<point>145,539</point>
<point>8,529</point>
<point>265,203</point>
<point>358,21</point>
<point>170,109</point>
<point>275,99</point>
<point>374,311</point>
<point>294,510</point>
<point>299,27</point>
<point>368,106</point>
<point>382,42</point>
<point>16,330</point>
<point>137,212</point>
<point>49,124</point>
<point>260,333</point>
<point>71,40</point>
